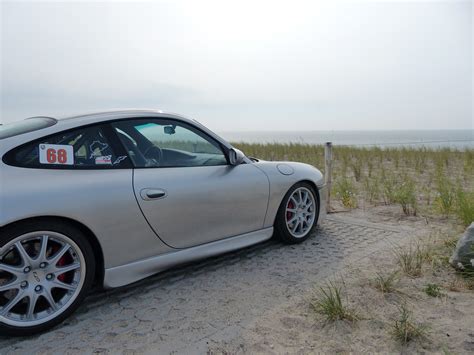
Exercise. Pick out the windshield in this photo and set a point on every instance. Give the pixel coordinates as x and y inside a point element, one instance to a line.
<point>25,126</point>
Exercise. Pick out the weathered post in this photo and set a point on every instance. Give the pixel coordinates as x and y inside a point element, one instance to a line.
<point>328,173</point>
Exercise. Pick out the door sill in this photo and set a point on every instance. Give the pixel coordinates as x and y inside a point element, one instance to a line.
<point>126,274</point>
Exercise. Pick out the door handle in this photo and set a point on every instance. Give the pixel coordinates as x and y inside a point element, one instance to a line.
<point>152,194</point>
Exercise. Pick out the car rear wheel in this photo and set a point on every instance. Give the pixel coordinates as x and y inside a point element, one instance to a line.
<point>298,214</point>
<point>45,272</point>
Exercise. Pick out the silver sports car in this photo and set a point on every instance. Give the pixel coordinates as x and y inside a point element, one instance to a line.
<point>106,199</point>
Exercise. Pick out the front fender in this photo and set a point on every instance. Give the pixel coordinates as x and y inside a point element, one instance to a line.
<point>282,176</point>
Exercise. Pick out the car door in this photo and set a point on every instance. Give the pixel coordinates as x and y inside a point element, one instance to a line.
<point>186,189</point>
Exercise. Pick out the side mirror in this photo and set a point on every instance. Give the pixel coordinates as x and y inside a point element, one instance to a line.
<point>236,157</point>
<point>169,129</point>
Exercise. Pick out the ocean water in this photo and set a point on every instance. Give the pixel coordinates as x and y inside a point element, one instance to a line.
<point>460,139</point>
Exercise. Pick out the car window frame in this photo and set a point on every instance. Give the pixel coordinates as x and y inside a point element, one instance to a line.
<point>108,132</point>
<point>167,120</point>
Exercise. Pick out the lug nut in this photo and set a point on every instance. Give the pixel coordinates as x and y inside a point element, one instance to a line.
<point>38,288</point>
<point>26,269</point>
<point>43,265</point>
<point>24,284</point>
<point>49,277</point>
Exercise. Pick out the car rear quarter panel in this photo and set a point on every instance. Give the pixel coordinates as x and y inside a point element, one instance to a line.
<point>102,200</point>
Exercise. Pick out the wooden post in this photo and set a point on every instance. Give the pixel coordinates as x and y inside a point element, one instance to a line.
<point>328,173</point>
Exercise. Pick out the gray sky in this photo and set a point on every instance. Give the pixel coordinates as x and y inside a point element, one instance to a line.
<point>244,65</point>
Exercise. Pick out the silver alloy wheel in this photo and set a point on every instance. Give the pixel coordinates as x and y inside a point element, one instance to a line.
<point>41,274</point>
<point>300,212</point>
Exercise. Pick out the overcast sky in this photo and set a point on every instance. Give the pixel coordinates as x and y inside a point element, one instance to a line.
<point>244,65</point>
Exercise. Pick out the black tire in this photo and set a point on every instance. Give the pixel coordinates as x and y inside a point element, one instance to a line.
<point>281,229</point>
<point>11,232</point>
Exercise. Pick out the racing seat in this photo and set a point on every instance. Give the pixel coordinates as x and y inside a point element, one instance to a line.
<point>135,153</point>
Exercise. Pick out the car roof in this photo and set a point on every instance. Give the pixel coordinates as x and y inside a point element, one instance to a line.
<point>107,112</point>
<point>73,121</point>
<point>119,114</point>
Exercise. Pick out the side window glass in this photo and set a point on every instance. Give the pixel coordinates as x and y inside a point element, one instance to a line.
<point>82,148</point>
<point>162,143</point>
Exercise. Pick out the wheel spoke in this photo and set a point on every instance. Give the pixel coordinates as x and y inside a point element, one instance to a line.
<point>32,300</point>
<point>300,226</point>
<point>19,296</point>
<point>54,260</point>
<point>292,210</point>
<point>295,227</point>
<point>49,297</point>
<point>299,196</point>
<point>304,198</point>
<point>16,271</point>
<point>10,286</point>
<point>27,261</point>
<point>294,218</point>
<point>294,200</point>
<point>63,285</point>
<point>44,247</point>
<point>63,269</point>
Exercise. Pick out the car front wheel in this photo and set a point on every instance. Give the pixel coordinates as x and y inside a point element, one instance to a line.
<point>45,271</point>
<point>298,214</point>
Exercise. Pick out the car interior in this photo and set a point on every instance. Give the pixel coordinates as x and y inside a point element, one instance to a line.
<point>183,150</point>
<point>145,152</point>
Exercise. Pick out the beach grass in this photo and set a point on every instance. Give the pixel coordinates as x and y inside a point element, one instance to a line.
<point>405,329</point>
<point>433,182</point>
<point>329,302</point>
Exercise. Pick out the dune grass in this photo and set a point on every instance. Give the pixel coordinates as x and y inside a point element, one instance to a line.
<point>328,302</point>
<point>405,329</point>
<point>386,283</point>
<point>433,182</point>
<point>410,260</point>
<point>465,206</point>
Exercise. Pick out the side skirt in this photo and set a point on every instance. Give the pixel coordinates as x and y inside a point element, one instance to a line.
<point>126,274</point>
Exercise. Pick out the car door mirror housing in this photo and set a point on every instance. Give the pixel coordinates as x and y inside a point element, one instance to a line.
<point>236,157</point>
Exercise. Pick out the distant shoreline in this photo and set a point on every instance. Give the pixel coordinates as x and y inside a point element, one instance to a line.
<point>433,139</point>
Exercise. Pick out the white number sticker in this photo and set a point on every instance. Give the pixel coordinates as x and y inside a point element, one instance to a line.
<point>56,154</point>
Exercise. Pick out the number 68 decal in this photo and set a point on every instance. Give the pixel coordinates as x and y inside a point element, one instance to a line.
<point>56,154</point>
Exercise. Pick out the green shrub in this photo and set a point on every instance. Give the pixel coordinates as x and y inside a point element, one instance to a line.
<point>346,192</point>
<point>405,194</point>
<point>433,290</point>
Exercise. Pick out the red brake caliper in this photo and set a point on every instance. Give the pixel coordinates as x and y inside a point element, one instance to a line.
<point>288,213</point>
<point>61,262</point>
